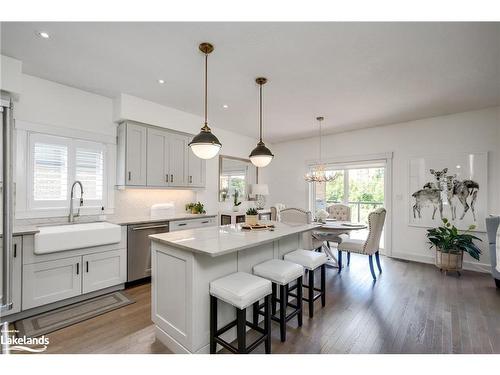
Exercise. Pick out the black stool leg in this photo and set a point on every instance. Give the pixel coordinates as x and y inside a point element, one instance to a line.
<point>213,324</point>
<point>348,258</point>
<point>267,323</point>
<point>255,311</point>
<point>323,285</point>
<point>282,313</point>
<point>241,319</point>
<point>310,296</point>
<point>299,301</point>
<point>273,299</point>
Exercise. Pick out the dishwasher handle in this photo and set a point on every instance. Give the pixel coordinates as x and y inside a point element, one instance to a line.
<point>151,227</point>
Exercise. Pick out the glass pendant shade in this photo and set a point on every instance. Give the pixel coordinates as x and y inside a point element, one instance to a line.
<point>261,156</point>
<point>318,173</point>
<point>205,144</point>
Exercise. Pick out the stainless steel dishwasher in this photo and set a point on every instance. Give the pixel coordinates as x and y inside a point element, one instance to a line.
<point>138,249</point>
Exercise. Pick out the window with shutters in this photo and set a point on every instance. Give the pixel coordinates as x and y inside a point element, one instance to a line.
<point>57,162</point>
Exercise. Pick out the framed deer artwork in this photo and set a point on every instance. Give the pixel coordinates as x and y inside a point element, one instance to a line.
<point>452,186</point>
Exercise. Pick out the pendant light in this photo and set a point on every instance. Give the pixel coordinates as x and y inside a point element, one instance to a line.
<point>318,174</point>
<point>205,145</point>
<point>261,155</point>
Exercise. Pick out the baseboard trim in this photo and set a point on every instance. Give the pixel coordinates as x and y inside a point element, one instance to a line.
<point>170,342</point>
<point>429,259</point>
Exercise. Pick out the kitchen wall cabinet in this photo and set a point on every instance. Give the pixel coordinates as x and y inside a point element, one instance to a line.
<point>155,157</point>
<point>102,270</point>
<point>196,170</point>
<point>16,264</point>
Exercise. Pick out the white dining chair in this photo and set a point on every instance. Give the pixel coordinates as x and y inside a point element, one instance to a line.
<point>300,216</point>
<point>371,245</point>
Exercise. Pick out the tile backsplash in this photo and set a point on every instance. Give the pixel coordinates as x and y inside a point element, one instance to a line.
<point>138,202</point>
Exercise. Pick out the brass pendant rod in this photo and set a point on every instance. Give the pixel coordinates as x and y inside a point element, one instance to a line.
<point>206,90</point>
<point>260,119</point>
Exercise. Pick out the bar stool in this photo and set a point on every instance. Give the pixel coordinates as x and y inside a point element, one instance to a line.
<point>282,273</point>
<point>311,261</point>
<point>240,290</point>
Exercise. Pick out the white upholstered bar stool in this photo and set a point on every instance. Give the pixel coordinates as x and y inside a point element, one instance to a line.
<point>282,273</point>
<point>311,261</point>
<point>240,289</point>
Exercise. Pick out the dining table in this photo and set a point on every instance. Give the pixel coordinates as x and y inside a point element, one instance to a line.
<point>330,230</point>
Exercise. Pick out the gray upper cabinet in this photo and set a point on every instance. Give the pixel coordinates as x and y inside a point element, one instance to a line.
<point>178,145</point>
<point>155,157</point>
<point>196,170</point>
<point>131,160</point>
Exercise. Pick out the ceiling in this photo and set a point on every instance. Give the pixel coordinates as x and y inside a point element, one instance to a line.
<point>355,74</point>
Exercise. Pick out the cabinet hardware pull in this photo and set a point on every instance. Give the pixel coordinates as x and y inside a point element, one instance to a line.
<point>15,250</point>
<point>171,178</point>
<point>87,265</point>
<point>182,224</point>
<point>166,178</point>
<point>151,227</point>
<point>205,222</point>
<point>129,175</point>
<point>78,268</point>
<point>190,179</point>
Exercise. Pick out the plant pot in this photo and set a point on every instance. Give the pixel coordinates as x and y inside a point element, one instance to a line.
<point>236,208</point>
<point>449,261</point>
<point>193,211</point>
<point>251,219</point>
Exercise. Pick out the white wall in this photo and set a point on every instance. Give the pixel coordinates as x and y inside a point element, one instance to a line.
<point>463,132</point>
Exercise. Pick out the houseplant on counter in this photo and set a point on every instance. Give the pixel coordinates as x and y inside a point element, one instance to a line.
<point>450,244</point>
<point>195,208</point>
<point>251,217</point>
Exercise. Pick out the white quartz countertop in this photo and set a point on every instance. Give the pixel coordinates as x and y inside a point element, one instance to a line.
<point>216,241</point>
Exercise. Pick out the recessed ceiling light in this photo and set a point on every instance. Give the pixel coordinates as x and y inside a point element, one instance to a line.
<point>225,106</point>
<point>161,81</point>
<point>43,34</point>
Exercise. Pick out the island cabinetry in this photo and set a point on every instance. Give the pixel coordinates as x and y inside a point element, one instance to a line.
<point>181,278</point>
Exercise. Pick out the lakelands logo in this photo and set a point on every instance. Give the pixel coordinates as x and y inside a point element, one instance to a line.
<point>24,343</point>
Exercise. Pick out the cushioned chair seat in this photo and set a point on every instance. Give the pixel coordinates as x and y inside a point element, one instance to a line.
<point>278,271</point>
<point>240,289</point>
<point>306,258</point>
<point>352,246</point>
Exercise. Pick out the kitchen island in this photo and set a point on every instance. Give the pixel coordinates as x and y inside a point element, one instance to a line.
<point>185,262</point>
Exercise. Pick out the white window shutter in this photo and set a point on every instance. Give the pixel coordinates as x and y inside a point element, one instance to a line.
<point>50,172</point>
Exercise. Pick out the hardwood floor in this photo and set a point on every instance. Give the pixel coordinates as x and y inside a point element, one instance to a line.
<point>412,308</point>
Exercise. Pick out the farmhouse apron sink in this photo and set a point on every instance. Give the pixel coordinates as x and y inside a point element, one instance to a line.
<point>75,236</point>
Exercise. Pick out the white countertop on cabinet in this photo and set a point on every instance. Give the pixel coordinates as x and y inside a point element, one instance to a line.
<point>216,241</point>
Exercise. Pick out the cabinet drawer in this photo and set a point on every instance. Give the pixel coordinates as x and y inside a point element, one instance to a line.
<point>190,224</point>
<point>51,281</point>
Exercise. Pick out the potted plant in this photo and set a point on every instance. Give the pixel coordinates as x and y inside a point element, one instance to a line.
<point>195,208</point>
<point>236,203</point>
<point>199,208</point>
<point>450,245</point>
<point>252,216</point>
<point>190,207</point>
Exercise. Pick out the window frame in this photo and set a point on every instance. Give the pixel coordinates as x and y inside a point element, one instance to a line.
<point>72,145</point>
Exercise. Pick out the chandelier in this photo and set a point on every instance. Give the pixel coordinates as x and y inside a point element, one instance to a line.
<point>318,173</point>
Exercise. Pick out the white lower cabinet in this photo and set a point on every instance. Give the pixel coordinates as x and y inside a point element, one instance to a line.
<point>16,262</point>
<point>102,270</point>
<point>51,281</point>
<point>54,280</point>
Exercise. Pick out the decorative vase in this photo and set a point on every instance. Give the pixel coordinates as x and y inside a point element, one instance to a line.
<point>449,261</point>
<point>251,219</point>
<point>236,208</point>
